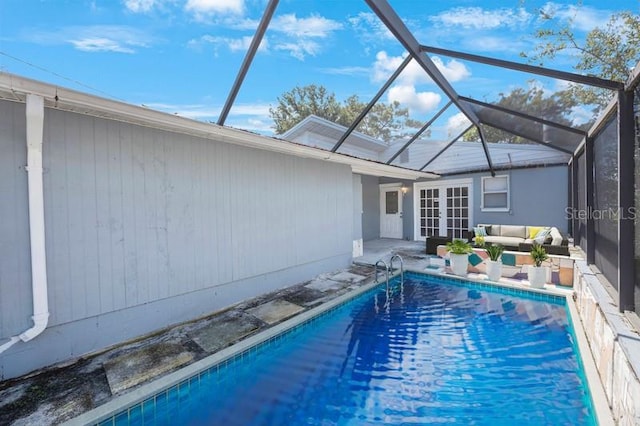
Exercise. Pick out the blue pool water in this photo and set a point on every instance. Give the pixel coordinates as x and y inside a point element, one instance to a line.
<point>437,353</point>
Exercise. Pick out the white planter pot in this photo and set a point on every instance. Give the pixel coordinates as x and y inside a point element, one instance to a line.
<point>494,269</point>
<point>459,263</point>
<point>537,276</point>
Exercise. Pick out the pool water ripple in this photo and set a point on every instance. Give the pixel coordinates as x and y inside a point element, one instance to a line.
<point>436,354</point>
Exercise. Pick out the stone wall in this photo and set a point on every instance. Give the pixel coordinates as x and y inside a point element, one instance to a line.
<point>614,343</point>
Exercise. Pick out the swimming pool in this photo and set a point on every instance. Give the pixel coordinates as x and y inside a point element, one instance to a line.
<point>441,351</point>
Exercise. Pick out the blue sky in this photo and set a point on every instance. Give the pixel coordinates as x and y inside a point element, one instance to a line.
<point>182,56</point>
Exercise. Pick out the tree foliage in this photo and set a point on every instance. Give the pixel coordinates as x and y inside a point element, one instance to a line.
<point>384,121</point>
<point>533,102</point>
<point>608,52</point>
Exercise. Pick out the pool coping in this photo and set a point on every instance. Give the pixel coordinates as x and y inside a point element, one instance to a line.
<point>146,391</point>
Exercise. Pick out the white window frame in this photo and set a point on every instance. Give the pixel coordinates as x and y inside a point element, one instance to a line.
<point>507,191</point>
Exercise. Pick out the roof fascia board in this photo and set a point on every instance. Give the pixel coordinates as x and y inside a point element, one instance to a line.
<point>373,101</point>
<point>525,116</point>
<point>393,22</point>
<point>15,88</point>
<point>421,131</point>
<point>246,63</point>
<point>561,75</point>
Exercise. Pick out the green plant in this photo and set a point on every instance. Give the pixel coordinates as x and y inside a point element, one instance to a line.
<point>459,247</point>
<point>538,254</point>
<point>494,251</point>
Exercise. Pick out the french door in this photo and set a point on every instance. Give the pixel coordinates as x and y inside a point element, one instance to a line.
<point>443,209</point>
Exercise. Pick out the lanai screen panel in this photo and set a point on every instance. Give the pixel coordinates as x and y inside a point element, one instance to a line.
<point>605,211</point>
<point>580,227</point>
<point>527,128</point>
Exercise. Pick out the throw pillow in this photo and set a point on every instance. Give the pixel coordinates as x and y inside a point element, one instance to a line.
<point>541,236</point>
<point>533,231</point>
<point>479,231</point>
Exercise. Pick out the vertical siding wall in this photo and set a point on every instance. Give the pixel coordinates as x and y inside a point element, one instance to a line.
<point>146,228</point>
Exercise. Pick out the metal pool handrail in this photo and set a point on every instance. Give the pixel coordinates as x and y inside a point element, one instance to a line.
<point>397,256</point>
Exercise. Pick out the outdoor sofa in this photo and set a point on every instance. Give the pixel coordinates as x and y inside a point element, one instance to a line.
<point>522,237</point>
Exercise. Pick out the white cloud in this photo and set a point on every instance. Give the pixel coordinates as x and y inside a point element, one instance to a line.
<point>140,6</point>
<point>288,33</point>
<point>202,9</point>
<point>580,115</point>
<point>100,45</point>
<point>495,44</point>
<point>233,44</point>
<point>350,71</point>
<point>96,38</point>
<point>583,18</point>
<point>386,65</point>
<point>311,27</point>
<point>456,124</point>
<point>299,49</point>
<point>370,28</point>
<point>480,19</point>
<point>415,101</point>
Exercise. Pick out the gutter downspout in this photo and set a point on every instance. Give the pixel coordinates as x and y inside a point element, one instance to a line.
<point>35,127</point>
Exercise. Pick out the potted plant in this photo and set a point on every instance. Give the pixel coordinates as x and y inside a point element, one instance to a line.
<point>459,256</point>
<point>494,264</point>
<point>537,272</point>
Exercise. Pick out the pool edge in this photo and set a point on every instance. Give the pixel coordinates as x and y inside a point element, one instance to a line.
<point>117,404</point>
<point>601,407</point>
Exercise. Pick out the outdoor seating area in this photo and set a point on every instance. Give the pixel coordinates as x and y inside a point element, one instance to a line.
<point>522,237</point>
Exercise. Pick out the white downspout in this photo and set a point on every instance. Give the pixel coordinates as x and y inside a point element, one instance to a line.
<point>35,126</point>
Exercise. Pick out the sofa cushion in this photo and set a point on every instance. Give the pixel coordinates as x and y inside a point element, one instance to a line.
<point>480,231</point>
<point>541,236</point>
<point>518,231</point>
<point>505,241</point>
<point>491,229</point>
<point>532,231</point>
<point>556,237</point>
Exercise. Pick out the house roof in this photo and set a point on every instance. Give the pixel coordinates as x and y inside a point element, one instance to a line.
<point>16,88</point>
<point>460,157</point>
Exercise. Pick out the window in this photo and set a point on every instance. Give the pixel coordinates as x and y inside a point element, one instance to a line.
<point>495,194</point>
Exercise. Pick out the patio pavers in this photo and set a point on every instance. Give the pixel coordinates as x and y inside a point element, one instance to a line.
<point>133,368</point>
<point>275,311</point>
<point>224,332</point>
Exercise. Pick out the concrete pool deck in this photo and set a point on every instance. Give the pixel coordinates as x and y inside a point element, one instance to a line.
<point>57,395</point>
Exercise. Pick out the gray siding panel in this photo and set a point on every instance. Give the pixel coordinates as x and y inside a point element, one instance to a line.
<point>371,208</point>
<point>357,207</point>
<point>15,267</point>
<point>538,197</point>
<point>135,216</point>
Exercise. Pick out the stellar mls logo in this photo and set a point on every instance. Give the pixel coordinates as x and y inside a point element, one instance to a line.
<point>611,213</point>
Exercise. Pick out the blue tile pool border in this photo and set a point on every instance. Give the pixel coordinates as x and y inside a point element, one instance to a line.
<point>179,382</point>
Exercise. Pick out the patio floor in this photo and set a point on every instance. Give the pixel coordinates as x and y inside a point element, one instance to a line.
<point>56,395</point>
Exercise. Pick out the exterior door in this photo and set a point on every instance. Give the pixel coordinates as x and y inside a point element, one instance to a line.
<point>391,211</point>
<point>443,209</point>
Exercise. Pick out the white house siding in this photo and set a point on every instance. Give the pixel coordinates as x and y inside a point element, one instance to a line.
<point>147,228</point>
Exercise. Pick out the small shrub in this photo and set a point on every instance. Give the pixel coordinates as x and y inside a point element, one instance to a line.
<point>494,251</point>
<point>459,247</point>
<point>538,254</point>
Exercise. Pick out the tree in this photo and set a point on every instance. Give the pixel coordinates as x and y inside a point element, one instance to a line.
<point>384,121</point>
<point>532,102</point>
<point>609,52</point>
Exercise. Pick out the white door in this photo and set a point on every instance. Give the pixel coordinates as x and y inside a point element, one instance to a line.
<point>391,211</point>
<point>443,209</point>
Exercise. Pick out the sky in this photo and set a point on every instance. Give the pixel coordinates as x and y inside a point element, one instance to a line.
<point>182,56</point>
